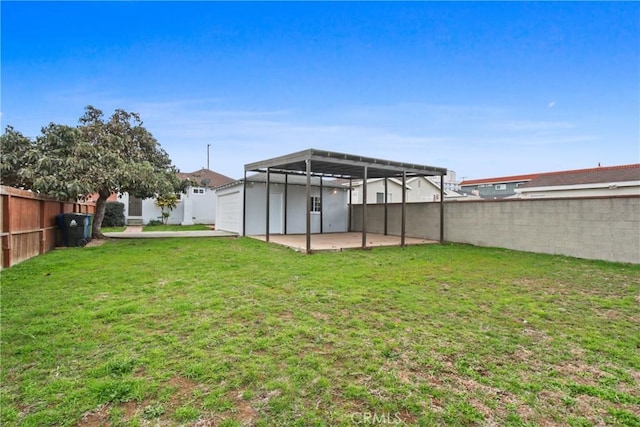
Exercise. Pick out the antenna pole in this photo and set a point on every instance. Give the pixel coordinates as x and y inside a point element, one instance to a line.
<point>208,145</point>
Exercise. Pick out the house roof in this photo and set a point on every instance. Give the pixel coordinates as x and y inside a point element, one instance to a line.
<point>327,163</point>
<point>430,179</point>
<point>206,178</point>
<point>598,175</point>
<point>568,177</point>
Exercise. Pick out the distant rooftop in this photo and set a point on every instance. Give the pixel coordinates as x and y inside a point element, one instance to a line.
<point>206,178</point>
<point>610,174</point>
<point>577,176</point>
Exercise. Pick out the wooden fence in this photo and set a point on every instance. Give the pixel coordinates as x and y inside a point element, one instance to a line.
<point>29,223</point>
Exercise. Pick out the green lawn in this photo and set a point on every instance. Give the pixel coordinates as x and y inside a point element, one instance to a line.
<point>194,227</point>
<point>235,332</point>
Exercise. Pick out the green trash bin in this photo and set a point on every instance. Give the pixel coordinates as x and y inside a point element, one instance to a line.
<point>89,228</point>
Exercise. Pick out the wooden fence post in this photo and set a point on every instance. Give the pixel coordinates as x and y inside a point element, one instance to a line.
<point>6,228</point>
<point>43,227</point>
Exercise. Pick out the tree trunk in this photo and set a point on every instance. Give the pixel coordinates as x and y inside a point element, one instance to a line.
<point>101,205</point>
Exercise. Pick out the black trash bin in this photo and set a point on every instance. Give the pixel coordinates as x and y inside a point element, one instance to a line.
<point>74,229</point>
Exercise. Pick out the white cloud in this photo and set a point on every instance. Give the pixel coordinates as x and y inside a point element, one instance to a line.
<point>474,140</point>
<point>466,138</point>
<point>530,126</point>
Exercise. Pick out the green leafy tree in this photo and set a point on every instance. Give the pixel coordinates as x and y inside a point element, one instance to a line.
<point>126,158</point>
<point>63,159</point>
<point>99,156</point>
<point>16,151</point>
<point>167,203</point>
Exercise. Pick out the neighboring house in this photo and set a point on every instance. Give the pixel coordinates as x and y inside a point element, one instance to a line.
<point>494,188</point>
<point>206,178</point>
<point>620,180</point>
<point>423,189</point>
<point>418,189</point>
<point>196,206</point>
<point>287,208</point>
<point>375,191</point>
<point>600,181</point>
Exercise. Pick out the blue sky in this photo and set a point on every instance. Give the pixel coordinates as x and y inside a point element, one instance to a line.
<point>484,89</point>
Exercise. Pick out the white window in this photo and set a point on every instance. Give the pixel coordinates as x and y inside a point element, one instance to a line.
<point>500,186</point>
<point>315,204</point>
<point>198,191</point>
<point>379,197</point>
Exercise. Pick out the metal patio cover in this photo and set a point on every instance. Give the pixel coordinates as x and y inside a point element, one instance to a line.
<point>340,165</point>
<point>327,163</point>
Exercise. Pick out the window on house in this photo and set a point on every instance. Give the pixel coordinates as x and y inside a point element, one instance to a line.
<point>198,191</point>
<point>379,197</point>
<point>500,186</point>
<point>315,204</point>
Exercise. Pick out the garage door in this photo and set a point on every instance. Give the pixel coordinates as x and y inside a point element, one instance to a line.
<point>229,216</point>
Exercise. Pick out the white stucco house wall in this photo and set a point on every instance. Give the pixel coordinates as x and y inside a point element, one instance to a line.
<point>197,205</point>
<point>418,189</point>
<point>375,191</point>
<point>423,189</point>
<point>329,213</point>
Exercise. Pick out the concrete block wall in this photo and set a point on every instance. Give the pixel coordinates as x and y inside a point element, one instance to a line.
<point>423,219</point>
<point>605,228</point>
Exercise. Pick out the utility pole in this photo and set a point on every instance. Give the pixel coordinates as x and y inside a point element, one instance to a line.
<point>208,145</point>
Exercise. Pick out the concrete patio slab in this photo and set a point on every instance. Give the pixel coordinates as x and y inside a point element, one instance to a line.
<point>338,241</point>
